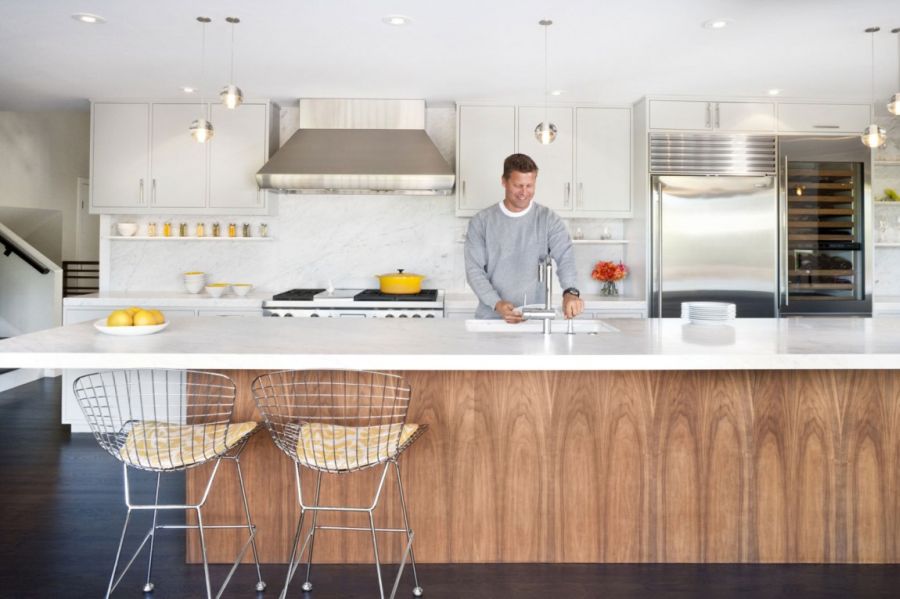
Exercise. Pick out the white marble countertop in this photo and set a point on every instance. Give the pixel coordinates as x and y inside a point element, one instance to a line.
<point>168,299</point>
<point>276,343</point>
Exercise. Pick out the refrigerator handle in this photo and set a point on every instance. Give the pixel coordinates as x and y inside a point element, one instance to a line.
<point>783,233</point>
<point>656,239</point>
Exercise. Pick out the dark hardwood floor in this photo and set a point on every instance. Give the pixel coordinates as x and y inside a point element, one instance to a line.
<point>61,511</point>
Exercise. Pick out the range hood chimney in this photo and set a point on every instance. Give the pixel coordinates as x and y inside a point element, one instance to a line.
<point>359,147</point>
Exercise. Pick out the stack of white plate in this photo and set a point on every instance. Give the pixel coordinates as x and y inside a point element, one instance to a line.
<point>708,312</point>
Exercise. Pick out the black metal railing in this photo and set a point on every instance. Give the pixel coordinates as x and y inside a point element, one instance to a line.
<point>80,277</point>
<point>10,247</point>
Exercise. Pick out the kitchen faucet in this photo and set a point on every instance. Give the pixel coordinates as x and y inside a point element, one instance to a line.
<point>545,276</point>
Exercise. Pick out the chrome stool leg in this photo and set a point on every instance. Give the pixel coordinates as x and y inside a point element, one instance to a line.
<point>294,560</point>
<point>260,585</point>
<point>417,590</point>
<point>112,577</point>
<point>307,585</point>
<point>203,552</point>
<point>148,586</point>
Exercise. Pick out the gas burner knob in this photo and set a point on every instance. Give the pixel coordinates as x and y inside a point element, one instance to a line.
<point>288,315</point>
<point>272,314</point>
<point>403,316</point>
<point>313,315</point>
<point>417,316</point>
<point>388,315</point>
<point>429,316</point>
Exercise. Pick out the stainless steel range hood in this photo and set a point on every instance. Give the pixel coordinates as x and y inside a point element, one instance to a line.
<point>359,147</point>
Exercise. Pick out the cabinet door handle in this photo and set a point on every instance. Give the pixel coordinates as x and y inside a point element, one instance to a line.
<point>826,126</point>
<point>568,194</point>
<point>464,191</point>
<point>718,123</point>
<point>153,192</point>
<point>141,192</point>
<point>782,235</point>
<point>708,116</point>
<point>579,199</point>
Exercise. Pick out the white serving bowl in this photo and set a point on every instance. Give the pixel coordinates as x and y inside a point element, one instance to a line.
<point>194,286</point>
<point>126,229</point>
<point>216,289</point>
<point>241,289</point>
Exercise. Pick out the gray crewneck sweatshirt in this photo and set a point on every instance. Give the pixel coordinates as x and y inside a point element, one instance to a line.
<point>502,254</point>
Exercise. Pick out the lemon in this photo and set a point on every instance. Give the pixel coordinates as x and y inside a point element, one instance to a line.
<point>160,318</point>
<point>119,318</point>
<point>133,310</point>
<point>144,318</point>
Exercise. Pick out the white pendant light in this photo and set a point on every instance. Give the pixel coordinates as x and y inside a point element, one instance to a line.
<point>894,105</point>
<point>546,131</point>
<point>231,95</point>
<point>874,136</point>
<point>202,129</point>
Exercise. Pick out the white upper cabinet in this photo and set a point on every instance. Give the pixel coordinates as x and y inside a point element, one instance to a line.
<point>144,160</point>
<point>554,186</point>
<point>712,116</point>
<point>603,162</point>
<point>238,150</point>
<point>177,162</point>
<point>823,118</point>
<point>486,136</point>
<point>120,155</point>
<point>584,173</point>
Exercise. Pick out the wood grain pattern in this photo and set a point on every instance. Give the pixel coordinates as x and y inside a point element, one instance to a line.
<point>724,466</point>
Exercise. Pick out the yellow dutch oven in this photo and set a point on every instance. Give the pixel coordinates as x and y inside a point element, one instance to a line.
<point>398,283</point>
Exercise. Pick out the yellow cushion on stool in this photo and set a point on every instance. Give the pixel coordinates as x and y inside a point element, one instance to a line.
<point>338,447</point>
<point>162,445</point>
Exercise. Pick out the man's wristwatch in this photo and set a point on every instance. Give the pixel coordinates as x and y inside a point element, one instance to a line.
<point>572,291</point>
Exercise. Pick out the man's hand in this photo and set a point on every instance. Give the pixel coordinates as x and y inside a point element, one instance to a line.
<point>572,305</point>
<point>508,312</point>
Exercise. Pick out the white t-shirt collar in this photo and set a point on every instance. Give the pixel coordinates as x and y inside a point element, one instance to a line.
<point>512,214</point>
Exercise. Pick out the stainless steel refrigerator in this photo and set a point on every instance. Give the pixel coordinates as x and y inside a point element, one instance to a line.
<point>775,226</point>
<point>715,222</point>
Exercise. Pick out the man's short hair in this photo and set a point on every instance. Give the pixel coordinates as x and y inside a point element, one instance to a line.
<point>520,163</point>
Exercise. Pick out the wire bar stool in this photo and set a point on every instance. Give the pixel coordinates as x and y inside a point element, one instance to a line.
<point>168,421</point>
<point>337,422</point>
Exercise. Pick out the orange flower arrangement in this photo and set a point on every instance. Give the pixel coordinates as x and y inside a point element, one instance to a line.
<point>609,271</point>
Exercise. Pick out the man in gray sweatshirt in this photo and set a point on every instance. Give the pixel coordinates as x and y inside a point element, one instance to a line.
<point>506,241</point>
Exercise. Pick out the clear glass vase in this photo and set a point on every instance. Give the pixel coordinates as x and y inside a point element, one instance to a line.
<point>609,288</point>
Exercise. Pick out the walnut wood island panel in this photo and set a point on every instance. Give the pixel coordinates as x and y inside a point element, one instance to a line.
<point>642,466</point>
<point>656,441</point>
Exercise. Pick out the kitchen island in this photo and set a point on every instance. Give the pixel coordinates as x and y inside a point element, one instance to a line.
<point>759,441</point>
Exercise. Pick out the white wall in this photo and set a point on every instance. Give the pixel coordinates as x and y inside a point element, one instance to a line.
<point>886,219</point>
<point>345,239</point>
<point>29,301</point>
<point>44,153</point>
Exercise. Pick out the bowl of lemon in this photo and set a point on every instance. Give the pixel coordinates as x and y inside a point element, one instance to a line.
<point>132,321</point>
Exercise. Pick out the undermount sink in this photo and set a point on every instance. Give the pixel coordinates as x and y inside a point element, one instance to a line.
<point>558,325</point>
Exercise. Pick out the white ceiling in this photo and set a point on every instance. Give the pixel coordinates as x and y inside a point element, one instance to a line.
<point>611,52</point>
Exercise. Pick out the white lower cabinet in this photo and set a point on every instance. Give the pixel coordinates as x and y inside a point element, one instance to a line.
<point>71,413</point>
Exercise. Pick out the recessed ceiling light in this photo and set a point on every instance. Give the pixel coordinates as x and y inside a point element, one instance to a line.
<point>774,92</point>
<point>557,92</point>
<point>396,20</point>
<point>86,17</point>
<point>188,89</point>
<point>717,23</point>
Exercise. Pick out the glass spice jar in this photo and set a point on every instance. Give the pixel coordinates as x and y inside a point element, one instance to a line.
<point>151,229</point>
<point>200,230</point>
<point>182,230</point>
<point>216,231</point>
<point>232,230</point>
<point>263,230</point>
<point>167,229</point>
<point>245,230</point>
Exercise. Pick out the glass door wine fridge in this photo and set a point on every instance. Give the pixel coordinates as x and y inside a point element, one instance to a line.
<point>825,264</point>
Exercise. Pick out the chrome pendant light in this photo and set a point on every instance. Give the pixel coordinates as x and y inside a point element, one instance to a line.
<point>202,129</point>
<point>894,105</point>
<point>874,136</point>
<point>231,95</point>
<point>546,131</point>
